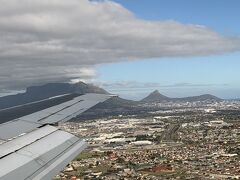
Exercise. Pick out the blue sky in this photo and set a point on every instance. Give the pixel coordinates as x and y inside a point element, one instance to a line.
<point>177,77</point>
<point>220,15</point>
<point>129,47</point>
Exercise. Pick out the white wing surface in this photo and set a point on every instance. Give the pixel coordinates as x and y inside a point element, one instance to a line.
<point>31,148</point>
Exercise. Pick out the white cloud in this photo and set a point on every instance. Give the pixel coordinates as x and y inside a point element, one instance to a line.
<point>134,86</point>
<point>42,40</point>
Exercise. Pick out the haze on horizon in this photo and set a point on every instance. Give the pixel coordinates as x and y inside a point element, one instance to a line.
<point>129,48</point>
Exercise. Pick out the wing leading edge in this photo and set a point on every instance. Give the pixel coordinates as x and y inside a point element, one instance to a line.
<point>33,149</point>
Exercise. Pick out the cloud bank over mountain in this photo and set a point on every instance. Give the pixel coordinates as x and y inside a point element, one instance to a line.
<point>61,40</point>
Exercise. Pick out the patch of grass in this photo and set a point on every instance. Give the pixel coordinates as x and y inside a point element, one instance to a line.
<point>104,168</point>
<point>87,155</point>
<point>168,174</point>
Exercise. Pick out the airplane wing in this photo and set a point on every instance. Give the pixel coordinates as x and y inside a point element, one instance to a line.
<point>31,148</point>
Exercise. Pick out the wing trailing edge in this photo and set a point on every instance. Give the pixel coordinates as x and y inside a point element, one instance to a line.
<point>40,154</point>
<point>31,148</point>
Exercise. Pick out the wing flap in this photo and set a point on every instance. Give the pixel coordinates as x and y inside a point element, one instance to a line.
<point>41,158</point>
<point>12,146</point>
<point>14,128</point>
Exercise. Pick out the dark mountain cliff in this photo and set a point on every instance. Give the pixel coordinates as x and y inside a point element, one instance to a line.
<point>36,93</point>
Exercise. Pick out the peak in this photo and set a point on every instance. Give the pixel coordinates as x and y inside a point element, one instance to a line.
<point>155,92</point>
<point>206,95</point>
<point>155,96</point>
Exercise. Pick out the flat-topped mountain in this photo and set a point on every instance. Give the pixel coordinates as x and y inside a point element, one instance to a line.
<point>36,93</point>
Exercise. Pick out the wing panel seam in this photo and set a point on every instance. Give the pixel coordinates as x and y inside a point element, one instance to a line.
<point>48,163</point>
<point>28,144</point>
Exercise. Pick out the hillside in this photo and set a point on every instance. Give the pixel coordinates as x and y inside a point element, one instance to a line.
<point>156,97</point>
<point>203,97</point>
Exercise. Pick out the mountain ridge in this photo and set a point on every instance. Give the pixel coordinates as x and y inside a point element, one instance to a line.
<point>156,96</point>
<point>36,93</point>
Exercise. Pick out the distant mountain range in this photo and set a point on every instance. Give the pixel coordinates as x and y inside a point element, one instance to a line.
<point>36,93</point>
<point>118,106</point>
<point>155,96</point>
<point>111,107</point>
